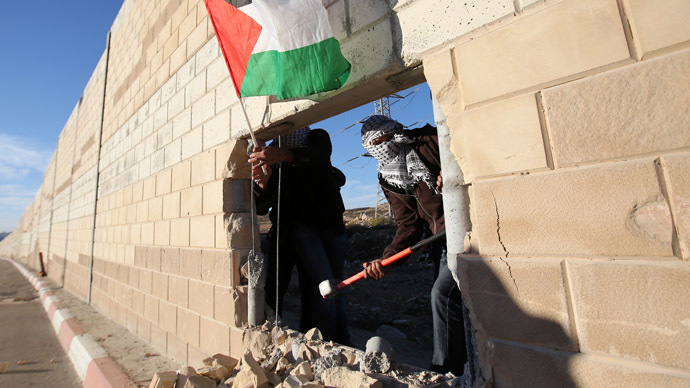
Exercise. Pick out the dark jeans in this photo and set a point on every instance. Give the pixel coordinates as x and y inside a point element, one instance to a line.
<point>319,255</point>
<point>284,272</point>
<point>450,351</point>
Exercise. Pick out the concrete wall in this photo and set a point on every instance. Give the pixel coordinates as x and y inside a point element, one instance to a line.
<point>568,119</point>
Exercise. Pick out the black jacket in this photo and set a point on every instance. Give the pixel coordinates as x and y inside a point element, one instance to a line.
<point>310,192</point>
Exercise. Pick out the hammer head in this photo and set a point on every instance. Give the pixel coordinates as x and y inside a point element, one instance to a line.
<point>328,288</point>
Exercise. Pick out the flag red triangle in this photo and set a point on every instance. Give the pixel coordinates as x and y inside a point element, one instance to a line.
<point>237,34</point>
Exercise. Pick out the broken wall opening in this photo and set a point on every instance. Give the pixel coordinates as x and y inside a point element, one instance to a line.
<point>397,307</point>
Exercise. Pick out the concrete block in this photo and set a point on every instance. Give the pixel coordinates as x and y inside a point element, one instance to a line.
<point>142,211</point>
<point>163,380</point>
<point>359,16</point>
<point>157,161</point>
<point>216,72</point>
<point>159,287</point>
<point>231,160</point>
<point>251,373</point>
<point>186,74</point>
<point>195,89</point>
<point>216,130</point>
<point>151,308</point>
<point>147,233</point>
<point>149,188</point>
<point>201,296</point>
<point>237,348</point>
<point>206,54</point>
<point>213,197</point>
<point>173,153</point>
<point>369,52</point>
<point>425,25</point>
<point>519,300</point>
<point>342,376</point>
<point>145,283</point>
<point>170,259</point>
<point>144,328</point>
<point>215,336</point>
<point>188,326</point>
<point>639,318</point>
<point>255,106</point>
<point>177,348</point>
<point>182,123</point>
<point>153,258</point>
<point>203,167</point>
<point>585,211</point>
<point>162,233</point>
<point>221,232</point>
<point>239,230</point>
<point>179,232</point>
<point>190,263</point>
<point>527,367</point>
<point>164,135</point>
<point>171,206</point>
<point>501,138</point>
<point>168,316</point>
<point>203,109</point>
<point>181,176</point>
<point>678,186</point>
<point>566,39</point>
<point>178,291</point>
<point>226,96</point>
<point>635,110</point>
<point>175,107</point>
<point>439,71</point>
<point>216,267</point>
<point>231,305</point>
<point>202,232</point>
<point>191,143</point>
<point>190,201</point>
<point>657,24</point>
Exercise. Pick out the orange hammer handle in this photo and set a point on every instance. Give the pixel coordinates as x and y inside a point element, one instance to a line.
<point>392,259</point>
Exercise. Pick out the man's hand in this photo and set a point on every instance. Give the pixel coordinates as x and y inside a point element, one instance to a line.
<point>373,270</point>
<point>439,181</point>
<point>259,177</point>
<point>269,155</point>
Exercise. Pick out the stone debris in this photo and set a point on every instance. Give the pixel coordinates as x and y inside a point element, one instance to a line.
<point>390,333</point>
<point>4,366</point>
<point>279,357</point>
<point>164,380</point>
<point>345,377</point>
<point>200,382</point>
<point>379,356</point>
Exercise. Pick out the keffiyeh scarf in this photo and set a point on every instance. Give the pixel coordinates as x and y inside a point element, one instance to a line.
<point>399,164</point>
<point>295,139</point>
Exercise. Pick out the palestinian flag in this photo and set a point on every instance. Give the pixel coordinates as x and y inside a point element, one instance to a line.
<point>279,47</point>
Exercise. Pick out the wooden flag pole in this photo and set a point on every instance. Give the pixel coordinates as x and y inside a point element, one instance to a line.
<point>251,131</point>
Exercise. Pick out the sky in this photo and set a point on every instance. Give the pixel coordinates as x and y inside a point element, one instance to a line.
<point>49,51</point>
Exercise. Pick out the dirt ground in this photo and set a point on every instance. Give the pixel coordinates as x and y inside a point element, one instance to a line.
<point>400,300</point>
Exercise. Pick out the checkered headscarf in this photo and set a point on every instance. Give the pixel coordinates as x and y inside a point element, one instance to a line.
<point>399,164</point>
<point>295,139</point>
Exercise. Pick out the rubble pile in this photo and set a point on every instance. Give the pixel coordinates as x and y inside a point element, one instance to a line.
<point>279,357</point>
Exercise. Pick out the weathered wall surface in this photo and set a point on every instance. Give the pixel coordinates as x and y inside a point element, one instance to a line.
<point>569,120</point>
<point>571,124</point>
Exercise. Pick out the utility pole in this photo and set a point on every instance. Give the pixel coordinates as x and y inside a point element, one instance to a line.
<point>382,107</point>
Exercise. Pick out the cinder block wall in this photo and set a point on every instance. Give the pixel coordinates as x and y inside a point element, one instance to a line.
<point>569,120</point>
<point>571,125</point>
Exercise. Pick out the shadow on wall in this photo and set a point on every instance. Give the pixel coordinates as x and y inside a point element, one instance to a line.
<point>515,348</point>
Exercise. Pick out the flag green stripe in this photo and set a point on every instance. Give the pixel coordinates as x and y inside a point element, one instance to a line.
<point>311,69</point>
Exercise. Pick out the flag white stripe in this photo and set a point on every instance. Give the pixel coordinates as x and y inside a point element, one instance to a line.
<point>288,24</point>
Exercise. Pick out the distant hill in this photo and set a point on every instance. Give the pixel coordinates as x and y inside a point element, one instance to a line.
<point>3,235</point>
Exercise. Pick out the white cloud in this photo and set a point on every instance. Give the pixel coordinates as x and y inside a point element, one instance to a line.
<point>18,158</point>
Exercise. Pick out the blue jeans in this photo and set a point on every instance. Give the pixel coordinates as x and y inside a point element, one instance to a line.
<point>450,351</point>
<point>319,255</point>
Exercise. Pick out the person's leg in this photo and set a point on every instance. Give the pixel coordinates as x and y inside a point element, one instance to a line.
<point>314,267</point>
<point>336,246</point>
<point>449,330</point>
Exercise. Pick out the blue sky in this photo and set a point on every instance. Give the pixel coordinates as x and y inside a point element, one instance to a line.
<point>49,50</point>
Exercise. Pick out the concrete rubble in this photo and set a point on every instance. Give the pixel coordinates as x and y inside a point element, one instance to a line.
<point>280,357</point>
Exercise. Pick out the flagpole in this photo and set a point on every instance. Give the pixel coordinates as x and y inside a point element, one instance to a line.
<point>251,131</point>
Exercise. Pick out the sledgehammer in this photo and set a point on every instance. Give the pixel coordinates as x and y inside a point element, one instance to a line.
<point>329,288</point>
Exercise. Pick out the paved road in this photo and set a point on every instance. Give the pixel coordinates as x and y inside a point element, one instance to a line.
<point>27,338</point>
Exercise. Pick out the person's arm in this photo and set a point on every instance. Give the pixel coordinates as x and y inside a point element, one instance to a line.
<point>409,231</point>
